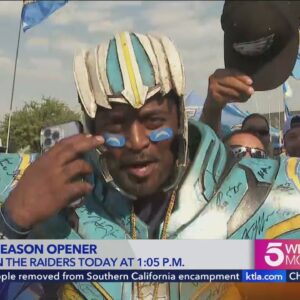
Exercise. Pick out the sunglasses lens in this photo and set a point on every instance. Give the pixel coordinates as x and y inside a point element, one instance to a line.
<point>241,151</point>
<point>258,154</point>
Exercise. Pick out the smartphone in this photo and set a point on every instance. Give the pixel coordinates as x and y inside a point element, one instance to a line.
<point>53,134</point>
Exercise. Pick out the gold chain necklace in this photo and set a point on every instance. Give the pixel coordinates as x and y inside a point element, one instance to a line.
<point>163,237</point>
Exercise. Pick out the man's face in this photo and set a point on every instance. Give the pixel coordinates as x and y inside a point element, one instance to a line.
<point>260,128</point>
<point>141,167</point>
<point>292,141</point>
<point>246,145</point>
<point>246,139</point>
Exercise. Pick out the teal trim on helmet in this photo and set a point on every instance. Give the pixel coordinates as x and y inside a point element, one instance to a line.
<point>143,61</point>
<point>114,74</point>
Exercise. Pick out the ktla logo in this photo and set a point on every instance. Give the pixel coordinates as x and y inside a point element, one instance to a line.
<point>274,256</point>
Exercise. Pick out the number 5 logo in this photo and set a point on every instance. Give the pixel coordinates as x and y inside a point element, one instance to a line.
<point>275,251</point>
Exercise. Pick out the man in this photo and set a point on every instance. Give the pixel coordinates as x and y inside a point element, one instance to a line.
<point>244,143</point>
<point>131,89</point>
<point>291,136</point>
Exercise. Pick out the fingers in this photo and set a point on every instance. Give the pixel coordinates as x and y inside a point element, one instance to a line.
<point>227,95</point>
<point>227,86</point>
<point>221,73</point>
<point>76,168</point>
<point>239,86</point>
<point>244,78</point>
<point>77,189</point>
<point>70,148</point>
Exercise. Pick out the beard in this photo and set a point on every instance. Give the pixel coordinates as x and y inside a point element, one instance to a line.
<point>141,175</point>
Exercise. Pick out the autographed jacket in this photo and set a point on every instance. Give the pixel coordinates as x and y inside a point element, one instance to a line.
<point>220,198</point>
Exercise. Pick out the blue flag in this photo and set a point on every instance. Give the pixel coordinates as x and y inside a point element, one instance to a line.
<point>296,70</point>
<point>287,90</point>
<point>35,11</point>
<point>287,113</point>
<point>287,93</point>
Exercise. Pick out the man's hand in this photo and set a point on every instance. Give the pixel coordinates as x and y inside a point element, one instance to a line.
<point>48,184</point>
<point>224,86</point>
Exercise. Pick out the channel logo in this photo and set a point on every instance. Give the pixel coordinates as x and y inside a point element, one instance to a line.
<point>277,254</point>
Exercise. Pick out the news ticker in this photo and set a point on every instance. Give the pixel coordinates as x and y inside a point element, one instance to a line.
<point>150,276</point>
<point>155,255</point>
<point>126,254</point>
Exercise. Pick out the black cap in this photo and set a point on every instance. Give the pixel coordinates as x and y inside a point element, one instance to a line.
<point>261,40</point>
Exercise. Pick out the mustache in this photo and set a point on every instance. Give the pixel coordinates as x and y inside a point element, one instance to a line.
<point>141,158</point>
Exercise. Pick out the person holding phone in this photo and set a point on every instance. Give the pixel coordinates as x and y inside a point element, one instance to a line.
<point>149,174</point>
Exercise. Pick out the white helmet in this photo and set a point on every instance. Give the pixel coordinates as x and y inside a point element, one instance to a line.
<point>131,68</point>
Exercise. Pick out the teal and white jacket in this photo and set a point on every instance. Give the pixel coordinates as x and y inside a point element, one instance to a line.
<point>219,198</point>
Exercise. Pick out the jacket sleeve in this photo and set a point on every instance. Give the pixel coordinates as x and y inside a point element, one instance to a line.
<point>12,167</point>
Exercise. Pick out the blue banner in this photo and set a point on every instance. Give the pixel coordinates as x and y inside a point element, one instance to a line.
<point>34,12</point>
<point>121,275</point>
<point>149,276</point>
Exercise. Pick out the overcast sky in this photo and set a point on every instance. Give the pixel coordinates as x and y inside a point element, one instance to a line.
<point>46,50</point>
